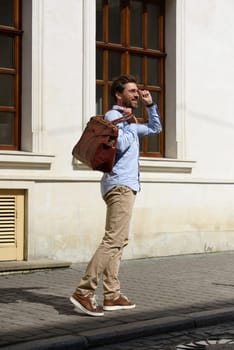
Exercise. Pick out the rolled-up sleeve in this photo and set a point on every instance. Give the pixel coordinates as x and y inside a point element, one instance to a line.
<point>154,125</point>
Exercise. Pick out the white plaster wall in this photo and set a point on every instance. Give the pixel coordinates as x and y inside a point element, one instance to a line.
<point>209,76</point>
<point>62,83</point>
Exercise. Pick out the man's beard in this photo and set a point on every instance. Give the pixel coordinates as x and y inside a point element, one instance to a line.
<point>130,105</point>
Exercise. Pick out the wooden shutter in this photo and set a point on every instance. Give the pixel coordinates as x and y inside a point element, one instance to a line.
<point>11,224</point>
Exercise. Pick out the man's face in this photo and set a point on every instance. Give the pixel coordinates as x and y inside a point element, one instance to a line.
<point>129,97</point>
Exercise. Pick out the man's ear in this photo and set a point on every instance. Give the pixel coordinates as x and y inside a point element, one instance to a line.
<point>118,96</point>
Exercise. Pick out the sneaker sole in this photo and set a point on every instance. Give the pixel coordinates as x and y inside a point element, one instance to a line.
<point>83,309</point>
<point>118,307</point>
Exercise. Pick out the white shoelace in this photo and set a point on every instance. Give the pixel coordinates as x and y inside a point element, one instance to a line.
<point>124,296</point>
<point>94,302</point>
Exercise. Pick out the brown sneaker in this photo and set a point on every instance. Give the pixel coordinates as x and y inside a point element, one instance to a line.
<point>87,304</point>
<point>120,303</point>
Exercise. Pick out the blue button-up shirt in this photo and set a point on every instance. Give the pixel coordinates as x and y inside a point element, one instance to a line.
<point>126,169</point>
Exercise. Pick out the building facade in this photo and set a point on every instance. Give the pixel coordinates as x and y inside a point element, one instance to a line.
<point>50,204</point>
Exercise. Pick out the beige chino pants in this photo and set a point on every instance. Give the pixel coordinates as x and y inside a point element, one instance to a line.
<point>106,259</point>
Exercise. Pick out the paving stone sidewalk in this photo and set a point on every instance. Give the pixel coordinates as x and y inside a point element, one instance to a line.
<point>171,294</point>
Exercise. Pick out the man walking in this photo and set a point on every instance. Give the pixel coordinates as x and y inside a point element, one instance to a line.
<point>119,188</point>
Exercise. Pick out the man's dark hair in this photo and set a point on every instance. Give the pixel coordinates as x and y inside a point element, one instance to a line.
<point>119,83</point>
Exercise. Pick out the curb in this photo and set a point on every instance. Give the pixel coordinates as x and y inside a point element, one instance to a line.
<point>68,342</point>
<point>133,330</point>
<point>212,317</point>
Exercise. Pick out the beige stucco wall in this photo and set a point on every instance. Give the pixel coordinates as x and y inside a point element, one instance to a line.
<point>169,218</point>
<point>186,204</point>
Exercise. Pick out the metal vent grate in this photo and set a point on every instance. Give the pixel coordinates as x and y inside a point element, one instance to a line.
<point>216,344</point>
<point>7,220</point>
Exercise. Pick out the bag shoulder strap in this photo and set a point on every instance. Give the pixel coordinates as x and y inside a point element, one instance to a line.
<point>121,119</point>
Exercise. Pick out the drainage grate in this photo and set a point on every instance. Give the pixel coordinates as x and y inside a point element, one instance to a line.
<point>214,344</point>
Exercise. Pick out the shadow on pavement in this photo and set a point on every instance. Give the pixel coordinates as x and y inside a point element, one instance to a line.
<point>33,295</point>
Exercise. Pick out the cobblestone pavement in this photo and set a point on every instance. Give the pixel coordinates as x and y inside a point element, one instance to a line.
<point>173,293</point>
<point>219,337</point>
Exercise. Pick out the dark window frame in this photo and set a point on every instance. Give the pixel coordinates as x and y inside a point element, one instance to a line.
<point>16,32</point>
<point>126,50</point>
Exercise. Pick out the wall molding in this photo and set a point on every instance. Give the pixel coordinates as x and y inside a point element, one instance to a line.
<point>181,80</point>
<point>89,61</point>
<point>37,74</point>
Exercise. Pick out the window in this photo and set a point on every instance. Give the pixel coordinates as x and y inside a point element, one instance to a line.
<point>130,39</point>
<point>10,45</point>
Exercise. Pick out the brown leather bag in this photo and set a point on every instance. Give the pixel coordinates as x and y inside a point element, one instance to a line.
<point>97,145</point>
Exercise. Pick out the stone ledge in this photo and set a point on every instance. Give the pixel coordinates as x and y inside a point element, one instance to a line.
<point>158,165</point>
<point>166,165</point>
<point>31,265</point>
<point>25,160</point>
